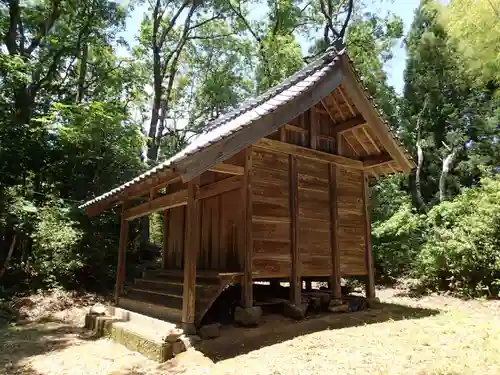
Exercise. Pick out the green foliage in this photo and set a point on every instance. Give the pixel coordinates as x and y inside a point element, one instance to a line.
<point>55,258</point>
<point>462,241</point>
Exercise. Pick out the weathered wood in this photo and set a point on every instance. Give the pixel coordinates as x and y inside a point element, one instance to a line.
<point>283,134</point>
<point>340,144</point>
<point>228,169</point>
<point>286,148</point>
<point>192,231</point>
<point>339,89</point>
<point>293,194</point>
<point>337,107</point>
<point>248,135</point>
<point>355,91</point>
<point>122,255</point>
<point>370,282</point>
<point>376,160</point>
<point>357,138</point>
<point>334,237</point>
<point>295,128</point>
<point>314,129</point>
<point>220,187</point>
<point>370,138</point>
<point>164,202</point>
<point>247,228</point>
<point>328,111</point>
<point>350,124</point>
<point>165,239</point>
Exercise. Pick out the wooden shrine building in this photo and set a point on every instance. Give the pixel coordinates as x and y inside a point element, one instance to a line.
<point>274,190</point>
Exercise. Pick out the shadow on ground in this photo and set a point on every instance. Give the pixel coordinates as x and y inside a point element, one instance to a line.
<point>235,341</point>
<point>23,339</point>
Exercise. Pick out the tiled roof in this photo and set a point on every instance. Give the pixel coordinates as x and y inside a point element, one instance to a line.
<point>247,113</point>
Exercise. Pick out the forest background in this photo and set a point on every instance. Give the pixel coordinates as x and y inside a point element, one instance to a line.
<point>82,110</point>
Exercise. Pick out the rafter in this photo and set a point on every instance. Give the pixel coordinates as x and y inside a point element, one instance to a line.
<point>376,160</point>
<point>337,107</point>
<point>349,124</point>
<point>346,101</point>
<point>328,111</point>
<point>370,138</point>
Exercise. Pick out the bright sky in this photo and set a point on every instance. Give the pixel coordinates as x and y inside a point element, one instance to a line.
<point>395,68</point>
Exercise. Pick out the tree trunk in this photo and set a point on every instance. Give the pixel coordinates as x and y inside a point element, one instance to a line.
<point>418,173</point>
<point>82,73</point>
<point>9,255</point>
<point>447,161</point>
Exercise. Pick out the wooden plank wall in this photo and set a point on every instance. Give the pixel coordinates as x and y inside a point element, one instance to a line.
<point>351,221</point>
<point>314,218</point>
<point>271,220</point>
<point>220,231</point>
<point>270,209</point>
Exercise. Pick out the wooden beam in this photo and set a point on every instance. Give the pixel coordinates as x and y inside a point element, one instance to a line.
<point>122,255</point>
<point>228,169</point>
<point>295,128</point>
<point>349,124</point>
<point>346,101</point>
<point>370,280</point>
<point>359,141</point>
<point>247,245</point>
<point>286,148</point>
<point>337,107</point>
<point>359,97</point>
<point>179,198</point>
<point>283,134</point>
<point>350,144</point>
<point>376,160</point>
<point>193,221</point>
<point>328,111</point>
<point>334,237</point>
<point>166,234</point>
<point>314,129</point>
<point>340,144</point>
<point>392,168</point>
<point>295,285</point>
<point>370,138</point>
<point>219,187</point>
<point>261,127</point>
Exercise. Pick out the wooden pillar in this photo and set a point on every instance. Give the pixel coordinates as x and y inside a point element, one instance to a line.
<point>334,237</point>
<point>295,283</point>
<point>190,255</point>
<point>246,197</point>
<point>122,254</point>
<point>340,144</point>
<point>314,129</point>
<point>165,239</point>
<point>370,280</point>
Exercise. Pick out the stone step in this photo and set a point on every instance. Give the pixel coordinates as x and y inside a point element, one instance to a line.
<point>152,309</point>
<point>135,337</point>
<point>148,322</point>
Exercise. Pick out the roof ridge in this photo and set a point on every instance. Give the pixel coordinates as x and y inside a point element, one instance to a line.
<point>328,56</point>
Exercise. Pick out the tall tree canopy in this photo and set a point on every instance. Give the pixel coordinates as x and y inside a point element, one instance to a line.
<point>76,119</point>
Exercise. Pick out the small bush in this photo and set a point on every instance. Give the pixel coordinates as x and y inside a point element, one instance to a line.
<point>397,242</point>
<point>462,248</point>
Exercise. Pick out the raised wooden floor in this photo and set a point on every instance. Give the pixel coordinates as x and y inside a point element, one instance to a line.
<point>159,293</point>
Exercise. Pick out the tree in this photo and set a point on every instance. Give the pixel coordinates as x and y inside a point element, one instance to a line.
<point>475,27</point>
<point>441,107</point>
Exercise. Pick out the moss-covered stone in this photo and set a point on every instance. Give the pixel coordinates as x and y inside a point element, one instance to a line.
<point>154,350</point>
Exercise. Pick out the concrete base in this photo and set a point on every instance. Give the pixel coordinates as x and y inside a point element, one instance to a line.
<point>135,331</point>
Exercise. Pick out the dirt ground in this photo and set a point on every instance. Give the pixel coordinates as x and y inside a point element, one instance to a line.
<point>433,335</point>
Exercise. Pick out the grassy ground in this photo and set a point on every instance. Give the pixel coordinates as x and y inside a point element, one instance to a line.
<point>434,335</point>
